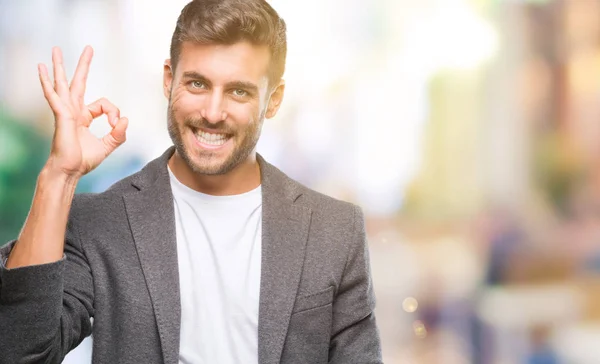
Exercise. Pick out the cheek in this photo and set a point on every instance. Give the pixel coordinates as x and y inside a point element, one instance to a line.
<point>185,104</point>
<point>180,98</point>
<point>240,113</point>
<point>243,113</point>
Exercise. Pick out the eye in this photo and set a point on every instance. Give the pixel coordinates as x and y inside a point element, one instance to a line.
<point>240,92</point>
<point>198,84</point>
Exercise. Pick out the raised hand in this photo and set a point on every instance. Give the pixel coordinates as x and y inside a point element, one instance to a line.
<point>75,150</point>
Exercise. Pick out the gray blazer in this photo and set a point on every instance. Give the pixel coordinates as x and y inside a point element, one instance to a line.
<point>120,268</point>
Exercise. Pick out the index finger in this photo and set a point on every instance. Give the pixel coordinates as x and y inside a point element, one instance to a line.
<point>103,106</point>
<point>80,78</point>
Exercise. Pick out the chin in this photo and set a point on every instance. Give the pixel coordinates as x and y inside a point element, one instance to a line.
<point>210,164</point>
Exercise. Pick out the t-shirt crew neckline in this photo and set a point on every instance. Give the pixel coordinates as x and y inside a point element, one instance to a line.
<point>212,199</point>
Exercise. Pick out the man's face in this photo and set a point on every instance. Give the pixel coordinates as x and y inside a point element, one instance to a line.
<point>218,99</point>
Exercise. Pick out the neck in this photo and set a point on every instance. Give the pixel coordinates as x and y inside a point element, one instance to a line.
<point>243,178</point>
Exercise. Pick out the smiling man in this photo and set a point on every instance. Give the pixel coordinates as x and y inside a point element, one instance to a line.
<point>209,254</point>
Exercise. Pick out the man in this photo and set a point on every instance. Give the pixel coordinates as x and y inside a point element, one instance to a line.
<point>209,254</point>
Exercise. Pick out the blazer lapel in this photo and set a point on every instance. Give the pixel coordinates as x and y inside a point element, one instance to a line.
<point>284,235</point>
<point>152,222</point>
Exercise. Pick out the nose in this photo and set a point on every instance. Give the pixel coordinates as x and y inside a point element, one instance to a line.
<point>213,110</point>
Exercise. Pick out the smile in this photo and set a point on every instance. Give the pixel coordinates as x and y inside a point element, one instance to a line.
<point>210,138</point>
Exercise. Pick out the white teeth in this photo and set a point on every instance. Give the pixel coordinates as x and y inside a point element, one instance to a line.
<point>211,139</point>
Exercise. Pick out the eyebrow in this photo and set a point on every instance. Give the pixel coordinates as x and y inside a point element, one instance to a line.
<point>196,76</point>
<point>249,86</point>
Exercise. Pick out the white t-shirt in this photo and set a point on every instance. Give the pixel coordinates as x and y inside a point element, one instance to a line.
<point>219,252</point>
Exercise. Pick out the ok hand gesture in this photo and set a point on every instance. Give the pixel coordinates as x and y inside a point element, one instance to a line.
<point>75,150</point>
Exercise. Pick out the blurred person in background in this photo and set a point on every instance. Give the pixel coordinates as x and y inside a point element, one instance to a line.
<point>210,253</point>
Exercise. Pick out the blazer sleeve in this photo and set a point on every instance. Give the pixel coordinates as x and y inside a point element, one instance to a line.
<point>45,310</point>
<point>355,337</point>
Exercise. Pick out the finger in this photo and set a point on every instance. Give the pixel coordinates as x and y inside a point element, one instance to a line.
<point>116,137</point>
<point>104,107</point>
<point>60,79</point>
<point>51,96</point>
<point>80,77</point>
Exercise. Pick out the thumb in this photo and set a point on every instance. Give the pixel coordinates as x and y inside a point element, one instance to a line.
<point>117,135</point>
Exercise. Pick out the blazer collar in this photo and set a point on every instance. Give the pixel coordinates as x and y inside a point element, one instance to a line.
<point>273,180</point>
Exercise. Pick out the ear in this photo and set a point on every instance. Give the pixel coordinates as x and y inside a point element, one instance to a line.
<point>167,79</point>
<point>275,100</point>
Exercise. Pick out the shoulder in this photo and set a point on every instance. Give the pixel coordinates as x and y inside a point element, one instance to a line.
<point>112,198</point>
<point>323,204</point>
<point>91,204</point>
<point>327,211</point>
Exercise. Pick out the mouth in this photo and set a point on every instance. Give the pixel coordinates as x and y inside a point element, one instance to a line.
<point>211,140</point>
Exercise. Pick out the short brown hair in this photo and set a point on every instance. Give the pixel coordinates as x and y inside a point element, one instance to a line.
<point>231,21</point>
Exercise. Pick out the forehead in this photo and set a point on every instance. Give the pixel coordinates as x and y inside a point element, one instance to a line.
<point>240,61</point>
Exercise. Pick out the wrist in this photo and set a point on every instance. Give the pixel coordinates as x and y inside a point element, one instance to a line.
<point>54,176</point>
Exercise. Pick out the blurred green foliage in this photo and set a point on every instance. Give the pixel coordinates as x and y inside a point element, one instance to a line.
<point>23,152</point>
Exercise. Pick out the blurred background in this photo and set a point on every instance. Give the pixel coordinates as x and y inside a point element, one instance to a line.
<point>468,130</point>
